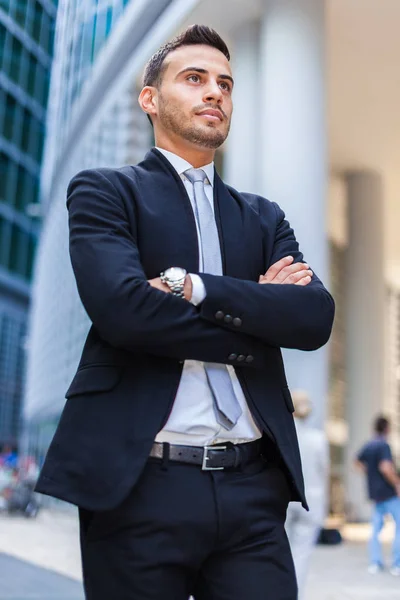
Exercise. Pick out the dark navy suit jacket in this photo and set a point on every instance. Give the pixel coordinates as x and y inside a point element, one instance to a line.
<point>126,226</point>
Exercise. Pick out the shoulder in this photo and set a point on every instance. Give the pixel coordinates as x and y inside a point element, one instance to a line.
<point>118,183</point>
<point>385,449</point>
<point>101,174</point>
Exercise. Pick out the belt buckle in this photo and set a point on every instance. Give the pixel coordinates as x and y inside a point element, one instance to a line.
<point>204,466</point>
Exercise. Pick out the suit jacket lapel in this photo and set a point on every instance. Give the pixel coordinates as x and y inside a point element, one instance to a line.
<point>175,211</point>
<point>239,233</point>
<point>175,227</point>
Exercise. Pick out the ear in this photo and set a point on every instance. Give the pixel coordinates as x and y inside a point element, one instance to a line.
<point>148,99</point>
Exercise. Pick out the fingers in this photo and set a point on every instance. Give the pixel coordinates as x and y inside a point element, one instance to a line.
<point>304,281</point>
<point>284,272</point>
<point>297,276</point>
<point>289,274</point>
<point>276,268</point>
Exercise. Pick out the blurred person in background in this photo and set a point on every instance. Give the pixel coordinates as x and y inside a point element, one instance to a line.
<point>376,461</point>
<point>303,527</point>
<point>9,457</point>
<point>177,440</point>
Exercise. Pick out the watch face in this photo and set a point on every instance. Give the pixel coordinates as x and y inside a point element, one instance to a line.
<point>175,273</point>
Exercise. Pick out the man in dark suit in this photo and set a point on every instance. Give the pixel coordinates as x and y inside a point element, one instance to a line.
<point>177,440</point>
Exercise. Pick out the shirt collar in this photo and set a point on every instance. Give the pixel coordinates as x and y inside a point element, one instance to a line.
<point>181,165</point>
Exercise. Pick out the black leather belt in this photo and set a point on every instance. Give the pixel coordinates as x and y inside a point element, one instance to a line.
<point>211,458</point>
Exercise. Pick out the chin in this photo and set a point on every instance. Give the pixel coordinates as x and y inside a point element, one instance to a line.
<point>212,137</point>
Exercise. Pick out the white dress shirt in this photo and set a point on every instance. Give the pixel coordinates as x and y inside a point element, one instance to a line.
<point>192,420</point>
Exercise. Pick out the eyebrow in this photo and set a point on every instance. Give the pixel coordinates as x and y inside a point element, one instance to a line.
<point>205,72</point>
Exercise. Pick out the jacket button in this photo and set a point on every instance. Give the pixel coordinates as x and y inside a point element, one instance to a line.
<point>249,358</point>
<point>228,319</point>
<point>237,322</point>
<point>219,315</point>
<point>232,356</point>
<point>241,357</point>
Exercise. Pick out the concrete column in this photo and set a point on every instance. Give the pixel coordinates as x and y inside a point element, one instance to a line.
<point>241,156</point>
<point>292,160</point>
<point>365,310</point>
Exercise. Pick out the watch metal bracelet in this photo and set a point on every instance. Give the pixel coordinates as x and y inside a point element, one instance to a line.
<point>176,287</point>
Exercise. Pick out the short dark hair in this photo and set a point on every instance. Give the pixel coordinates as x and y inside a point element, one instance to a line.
<point>195,34</point>
<point>381,424</point>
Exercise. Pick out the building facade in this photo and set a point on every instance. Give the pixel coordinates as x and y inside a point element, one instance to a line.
<point>293,139</point>
<point>26,43</point>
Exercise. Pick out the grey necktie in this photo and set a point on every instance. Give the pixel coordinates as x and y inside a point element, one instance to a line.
<point>227,407</point>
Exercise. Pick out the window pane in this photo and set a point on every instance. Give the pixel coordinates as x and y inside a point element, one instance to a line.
<point>4,169</point>
<point>14,66</point>
<point>37,22</point>
<point>31,76</point>
<point>31,183</point>
<point>26,130</point>
<point>13,258</point>
<point>18,251</point>
<point>5,232</point>
<point>5,5</point>
<point>109,20</point>
<point>2,43</point>
<point>46,32</point>
<point>2,107</point>
<point>23,75</point>
<point>50,41</point>
<point>19,196</point>
<point>9,117</point>
<point>31,256</point>
<point>18,124</point>
<point>19,10</point>
<point>9,180</point>
<point>26,192</point>
<point>42,83</point>
<point>36,146</point>
<point>2,261</point>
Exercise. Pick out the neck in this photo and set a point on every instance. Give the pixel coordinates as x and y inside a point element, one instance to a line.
<point>195,155</point>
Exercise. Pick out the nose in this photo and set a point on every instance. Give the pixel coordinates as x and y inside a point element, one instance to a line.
<point>213,93</point>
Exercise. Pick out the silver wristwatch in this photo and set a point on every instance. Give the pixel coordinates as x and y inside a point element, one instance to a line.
<point>174,278</point>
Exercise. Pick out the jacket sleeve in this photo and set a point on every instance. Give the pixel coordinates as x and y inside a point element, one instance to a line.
<point>126,311</point>
<point>286,316</point>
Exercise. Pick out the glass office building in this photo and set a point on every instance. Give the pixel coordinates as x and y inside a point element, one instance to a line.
<point>26,43</point>
<point>92,91</point>
<point>312,130</point>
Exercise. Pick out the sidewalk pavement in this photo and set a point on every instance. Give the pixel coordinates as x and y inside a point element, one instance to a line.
<point>50,569</point>
<point>20,580</point>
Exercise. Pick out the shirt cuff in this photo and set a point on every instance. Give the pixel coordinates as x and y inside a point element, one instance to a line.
<point>198,289</point>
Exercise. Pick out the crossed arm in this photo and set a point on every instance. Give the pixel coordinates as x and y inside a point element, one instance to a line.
<point>132,313</point>
<point>288,306</point>
<point>282,272</point>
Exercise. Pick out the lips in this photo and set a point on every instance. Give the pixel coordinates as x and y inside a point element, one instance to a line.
<point>211,113</point>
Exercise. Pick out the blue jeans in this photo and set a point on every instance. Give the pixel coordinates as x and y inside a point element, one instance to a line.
<point>391,507</point>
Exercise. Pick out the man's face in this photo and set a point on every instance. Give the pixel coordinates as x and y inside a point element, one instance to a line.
<point>195,96</point>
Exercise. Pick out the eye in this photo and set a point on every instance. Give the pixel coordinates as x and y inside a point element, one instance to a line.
<point>225,86</point>
<point>194,78</point>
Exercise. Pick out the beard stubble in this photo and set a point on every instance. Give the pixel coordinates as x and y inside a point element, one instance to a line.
<point>173,119</point>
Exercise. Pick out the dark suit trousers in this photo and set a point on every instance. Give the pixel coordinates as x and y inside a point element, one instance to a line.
<point>216,535</point>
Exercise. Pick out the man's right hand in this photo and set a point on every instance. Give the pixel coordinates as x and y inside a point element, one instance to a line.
<point>285,272</point>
